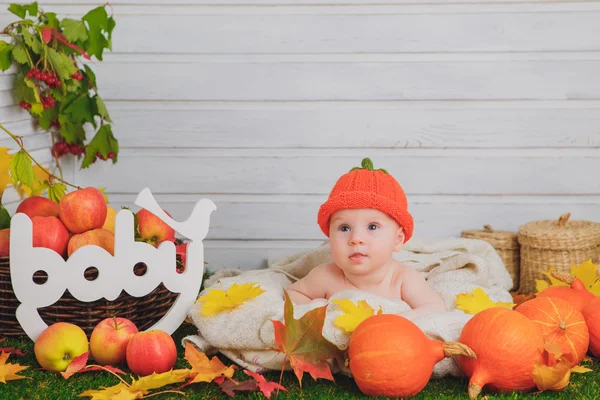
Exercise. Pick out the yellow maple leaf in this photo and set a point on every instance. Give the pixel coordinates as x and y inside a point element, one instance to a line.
<point>40,176</point>
<point>217,300</point>
<point>587,272</point>
<point>5,178</point>
<point>138,387</point>
<point>478,301</point>
<point>205,370</point>
<point>554,373</point>
<point>8,372</point>
<point>353,314</point>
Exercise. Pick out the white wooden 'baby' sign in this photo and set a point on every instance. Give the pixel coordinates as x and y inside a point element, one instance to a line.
<point>115,273</point>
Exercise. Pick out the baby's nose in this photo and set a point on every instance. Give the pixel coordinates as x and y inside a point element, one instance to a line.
<point>356,239</point>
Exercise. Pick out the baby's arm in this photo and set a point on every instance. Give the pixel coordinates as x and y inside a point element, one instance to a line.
<point>417,293</point>
<point>311,287</point>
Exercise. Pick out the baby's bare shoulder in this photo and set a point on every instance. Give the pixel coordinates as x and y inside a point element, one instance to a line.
<point>327,269</point>
<point>404,272</point>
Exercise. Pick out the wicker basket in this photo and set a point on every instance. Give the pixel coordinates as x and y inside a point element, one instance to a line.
<point>558,244</point>
<point>506,245</point>
<point>143,311</point>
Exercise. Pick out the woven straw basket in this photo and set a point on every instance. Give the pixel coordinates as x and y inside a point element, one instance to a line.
<point>506,246</point>
<point>558,244</point>
<point>142,311</point>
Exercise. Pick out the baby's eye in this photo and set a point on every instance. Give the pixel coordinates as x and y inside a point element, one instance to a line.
<point>373,227</point>
<point>344,228</point>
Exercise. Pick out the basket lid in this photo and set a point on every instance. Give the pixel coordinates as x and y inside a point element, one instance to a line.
<point>561,234</point>
<point>498,239</point>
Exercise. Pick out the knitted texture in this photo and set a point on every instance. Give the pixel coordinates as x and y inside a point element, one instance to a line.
<point>368,188</point>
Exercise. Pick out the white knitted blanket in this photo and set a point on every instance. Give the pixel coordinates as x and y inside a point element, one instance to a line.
<point>450,266</point>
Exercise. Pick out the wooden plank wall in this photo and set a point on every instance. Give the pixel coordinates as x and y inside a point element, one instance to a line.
<point>487,112</point>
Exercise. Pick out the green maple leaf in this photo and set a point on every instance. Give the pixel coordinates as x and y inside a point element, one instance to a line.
<point>51,20</point>
<point>103,142</point>
<point>73,133</point>
<point>32,41</point>
<point>97,20</point>
<point>24,88</point>
<point>62,64</point>
<point>21,169</point>
<point>89,74</point>
<point>80,109</point>
<point>22,10</point>
<point>4,218</point>
<point>301,340</point>
<point>101,108</point>
<point>56,191</point>
<point>20,54</point>
<point>74,30</point>
<point>47,116</point>
<point>6,51</point>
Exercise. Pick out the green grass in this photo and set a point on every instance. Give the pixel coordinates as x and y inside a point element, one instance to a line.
<point>50,386</point>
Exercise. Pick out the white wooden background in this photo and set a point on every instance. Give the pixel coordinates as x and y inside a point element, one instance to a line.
<point>487,112</point>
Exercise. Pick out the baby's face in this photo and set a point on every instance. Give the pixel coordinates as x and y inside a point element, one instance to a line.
<point>363,240</point>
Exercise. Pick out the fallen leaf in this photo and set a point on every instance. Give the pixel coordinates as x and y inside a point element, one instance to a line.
<point>554,372</point>
<point>265,386</point>
<point>76,365</point>
<point>8,372</point>
<point>587,272</point>
<point>353,314</point>
<point>520,298</point>
<point>478,301</point>
<point>92,368</point>
<point>580,369</point>
<point>203,369</point>
<point>11,350</point>
<point>302,342</point>
<point>217,300</point>
<point>230,386</point>
<point>140,387</point>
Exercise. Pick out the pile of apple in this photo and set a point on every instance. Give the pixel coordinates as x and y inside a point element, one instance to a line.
<point>82,217</point>
<point>113,341</point>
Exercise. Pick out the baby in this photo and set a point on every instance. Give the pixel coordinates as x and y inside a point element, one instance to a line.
<point>366,219</point>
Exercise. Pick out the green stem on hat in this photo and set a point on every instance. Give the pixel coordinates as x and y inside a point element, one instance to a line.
<point>368,165</point>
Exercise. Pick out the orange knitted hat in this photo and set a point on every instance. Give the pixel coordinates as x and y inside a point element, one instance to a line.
<point>368,188</point>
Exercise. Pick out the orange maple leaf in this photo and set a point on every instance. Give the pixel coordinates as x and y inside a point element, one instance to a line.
<point>264,386</point>
<point>203,369</point>
<point>302,342</point>
<point>8,372</point>
<point>519,298</point>
<point>554,372</point>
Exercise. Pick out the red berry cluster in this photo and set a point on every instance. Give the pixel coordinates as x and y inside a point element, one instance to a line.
<point>55,123</point>
<point>77,76</point>
<point>47,101</point>
<point>61,148</point>
<point>49,78</point>
<point>25,105</point>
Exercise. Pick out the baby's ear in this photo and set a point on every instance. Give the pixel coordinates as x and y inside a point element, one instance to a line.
<point>399,239</point>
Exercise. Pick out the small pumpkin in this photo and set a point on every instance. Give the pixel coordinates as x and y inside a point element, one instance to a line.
<point>390,356</point>
<point>507,345</point>
<point>577,294</point>
<point>560,323</point>
<point>592,318</point>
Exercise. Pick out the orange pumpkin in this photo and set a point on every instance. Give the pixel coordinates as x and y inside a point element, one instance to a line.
<point>507,345</point>
<point>577,294</point>
<point>560,323</point>
<point>390,356</point>
<point>592,318</point>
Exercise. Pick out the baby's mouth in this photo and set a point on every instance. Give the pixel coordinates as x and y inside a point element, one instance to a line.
<point>357,257</point>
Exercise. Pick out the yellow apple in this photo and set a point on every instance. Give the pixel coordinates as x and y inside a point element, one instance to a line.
<point>109,222</point>
<point>59,344</point>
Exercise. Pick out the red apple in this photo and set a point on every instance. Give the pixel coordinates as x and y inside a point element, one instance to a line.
<point>38,206</point>
<point>99,237</point>
<point>51,233</point>
<point>4,242</point>
<point>59,344</point>
<point>83,210</point>
<point>153,229</point>
<point>109,340</point>
<point>151,351</point>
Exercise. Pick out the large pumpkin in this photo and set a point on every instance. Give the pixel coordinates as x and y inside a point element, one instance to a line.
<point>592,318</point>
<point>560,323</point>
<point>507,345</point>
<point>390,356</point>
<point>576,294</point>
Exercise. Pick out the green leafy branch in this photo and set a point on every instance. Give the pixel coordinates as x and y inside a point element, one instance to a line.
<point>53,84</point>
